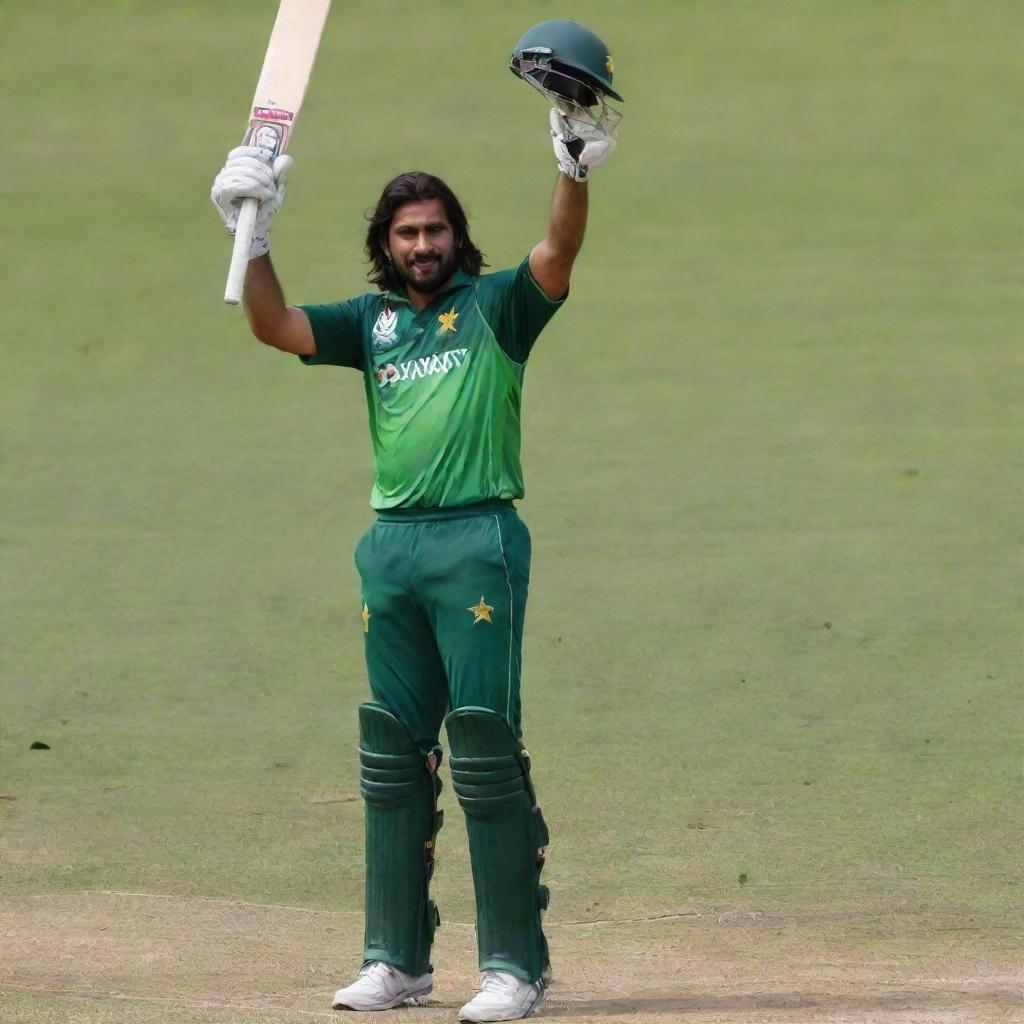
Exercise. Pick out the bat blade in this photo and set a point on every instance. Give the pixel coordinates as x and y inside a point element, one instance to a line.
<point>280,91</point>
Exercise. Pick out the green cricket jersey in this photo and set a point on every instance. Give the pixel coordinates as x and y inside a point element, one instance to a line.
<point>443,384</point>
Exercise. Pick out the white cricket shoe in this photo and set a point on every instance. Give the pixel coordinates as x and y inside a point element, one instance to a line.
<point>502,996</point>
<point>381,987</point>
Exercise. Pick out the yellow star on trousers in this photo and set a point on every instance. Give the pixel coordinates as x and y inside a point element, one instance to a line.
<point>481,612</point>
<point>447,321</point>
<point>366,619</point>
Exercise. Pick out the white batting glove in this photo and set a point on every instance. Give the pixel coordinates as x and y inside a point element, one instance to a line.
<point>578,148</point>
<point>250,174</point>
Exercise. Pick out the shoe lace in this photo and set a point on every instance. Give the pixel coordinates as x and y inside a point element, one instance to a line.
<point>499,981</point>
<point>378,970</point>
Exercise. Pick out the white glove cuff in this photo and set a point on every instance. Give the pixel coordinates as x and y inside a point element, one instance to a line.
<point>260,245</point>
<point>572,170</point>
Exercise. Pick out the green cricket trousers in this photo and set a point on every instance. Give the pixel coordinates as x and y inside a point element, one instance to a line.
<point>443,601</point>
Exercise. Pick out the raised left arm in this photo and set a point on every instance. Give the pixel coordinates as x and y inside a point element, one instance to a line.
<point>552,258</point>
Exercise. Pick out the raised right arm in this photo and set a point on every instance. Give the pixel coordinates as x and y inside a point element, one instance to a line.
<point>273,322</point>
<point>249,173</point>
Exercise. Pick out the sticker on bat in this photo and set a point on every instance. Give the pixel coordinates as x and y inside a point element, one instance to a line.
<point>272,114</point>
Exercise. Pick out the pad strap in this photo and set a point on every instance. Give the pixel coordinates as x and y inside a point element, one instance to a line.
<point>507,841</point>
<point>402,821</point>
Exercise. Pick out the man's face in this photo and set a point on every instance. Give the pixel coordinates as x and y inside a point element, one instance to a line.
<point>422,243</point>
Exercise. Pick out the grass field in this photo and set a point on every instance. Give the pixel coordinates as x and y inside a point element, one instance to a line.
<point>773,456</point>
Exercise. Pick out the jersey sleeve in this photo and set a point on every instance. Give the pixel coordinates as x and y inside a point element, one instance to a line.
<point>516,309</point>
<point>337,333</point>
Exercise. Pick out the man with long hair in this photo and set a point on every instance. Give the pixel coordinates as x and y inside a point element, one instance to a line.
<point>445,568</point>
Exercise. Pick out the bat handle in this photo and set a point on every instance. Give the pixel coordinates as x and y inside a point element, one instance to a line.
<point>240,253</point>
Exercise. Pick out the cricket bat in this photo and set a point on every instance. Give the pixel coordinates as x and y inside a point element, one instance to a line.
<point>279,94</point>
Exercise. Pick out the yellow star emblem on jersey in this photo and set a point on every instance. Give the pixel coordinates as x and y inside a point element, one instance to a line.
<point>482,611</point>
<point>366,616</point>
<point>447,321</point>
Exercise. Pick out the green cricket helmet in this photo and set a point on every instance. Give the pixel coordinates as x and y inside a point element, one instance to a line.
<point>565,59</point>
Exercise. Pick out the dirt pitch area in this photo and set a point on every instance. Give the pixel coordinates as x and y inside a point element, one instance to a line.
<point>99,957</point>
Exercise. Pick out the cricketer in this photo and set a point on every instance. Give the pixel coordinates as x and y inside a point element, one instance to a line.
<point>445,567</point>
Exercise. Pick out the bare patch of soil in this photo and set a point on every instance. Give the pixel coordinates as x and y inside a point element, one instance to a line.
<point>102,958</point>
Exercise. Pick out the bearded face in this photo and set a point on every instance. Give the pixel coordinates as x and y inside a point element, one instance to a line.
<point>422,246</point>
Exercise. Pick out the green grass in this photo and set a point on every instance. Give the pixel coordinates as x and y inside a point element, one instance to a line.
<point>773,453</point>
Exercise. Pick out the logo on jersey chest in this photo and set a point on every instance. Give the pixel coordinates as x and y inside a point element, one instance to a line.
<point>385,331</point>
<point>447,322</point>
<point>427,366</point>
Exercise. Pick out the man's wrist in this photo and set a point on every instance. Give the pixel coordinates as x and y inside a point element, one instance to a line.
<point>571,177</point>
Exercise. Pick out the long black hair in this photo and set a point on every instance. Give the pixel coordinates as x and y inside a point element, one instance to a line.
<point>414,187</point>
